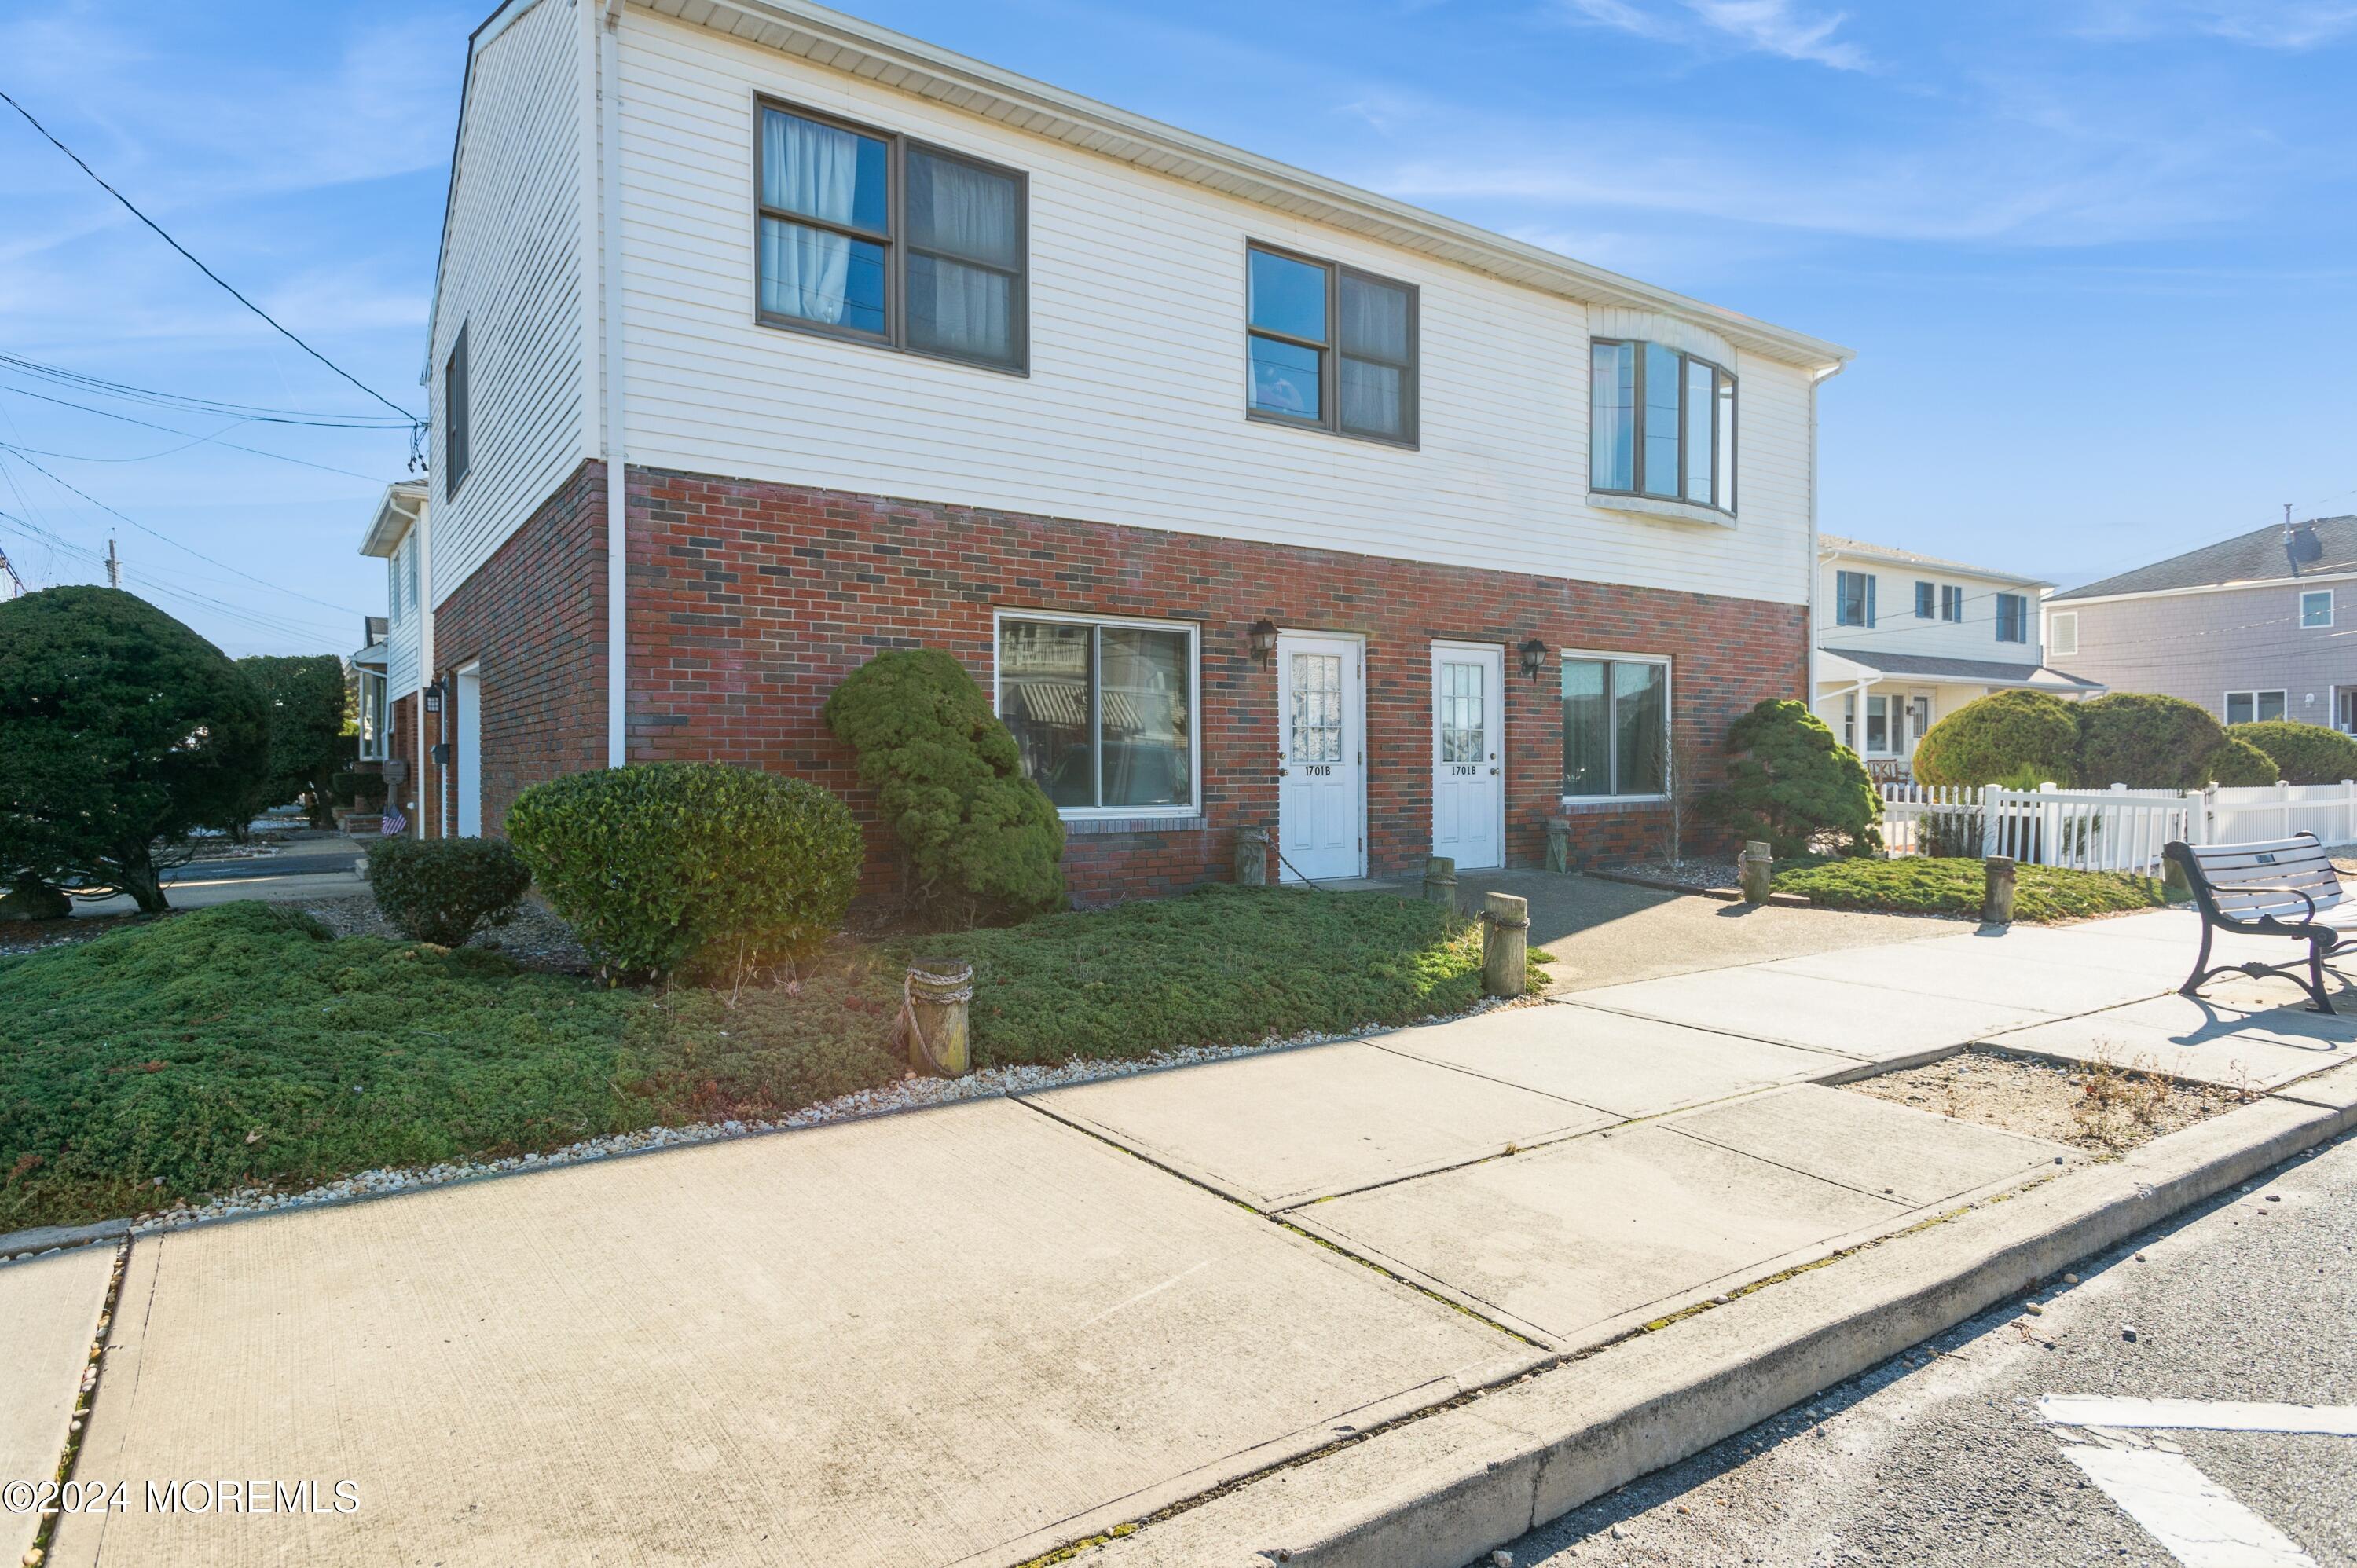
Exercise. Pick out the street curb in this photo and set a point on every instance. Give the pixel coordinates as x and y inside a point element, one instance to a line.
<point>43,1239</point>
<point>1438,1492</point>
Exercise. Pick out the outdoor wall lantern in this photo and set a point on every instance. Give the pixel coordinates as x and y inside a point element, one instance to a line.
<point>1534,654</point>
<point>1263,640</point>
<point>433,698</point>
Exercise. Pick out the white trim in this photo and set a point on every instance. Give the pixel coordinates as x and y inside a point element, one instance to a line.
<point>1926,565</point>
<point>1661,507</point>
<point>1359,727</point>
<point>2054,649</point>
<point>1000,613</point>
<point>2306,625</point>
<point>363,750</point>
<point>1669,715</point>
<point>1495,725</point>
<point>2306,579</point>
<point>618,510</point>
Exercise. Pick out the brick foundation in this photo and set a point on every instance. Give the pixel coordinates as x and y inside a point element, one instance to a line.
<point>751,602</point>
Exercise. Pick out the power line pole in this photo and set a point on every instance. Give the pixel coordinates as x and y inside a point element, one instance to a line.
<point>114,566</point>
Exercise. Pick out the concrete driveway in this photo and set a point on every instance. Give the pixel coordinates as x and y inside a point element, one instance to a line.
<point>974,1334</point>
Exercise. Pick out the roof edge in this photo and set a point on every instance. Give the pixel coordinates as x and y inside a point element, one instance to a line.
<point>397,510</point>
<point>1829,548</point>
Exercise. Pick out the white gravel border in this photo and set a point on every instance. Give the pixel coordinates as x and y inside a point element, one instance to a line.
<point>910,1093</point>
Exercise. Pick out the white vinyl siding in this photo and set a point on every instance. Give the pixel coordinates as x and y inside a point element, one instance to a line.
<point>1131,413</point>
<point>404,618</point>
<point>511,279</point>
<point>1972,635</point>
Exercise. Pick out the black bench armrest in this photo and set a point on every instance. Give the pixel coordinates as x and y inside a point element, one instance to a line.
<point>2298,892</point>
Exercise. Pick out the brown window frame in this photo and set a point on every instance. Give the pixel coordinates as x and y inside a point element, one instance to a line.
<point>457,434</point>
<point>1330,353</point>
<point>1637,347</point>
<point>896,248</point>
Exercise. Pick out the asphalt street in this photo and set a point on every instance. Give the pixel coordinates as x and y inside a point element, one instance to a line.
<point>1943,1457</point>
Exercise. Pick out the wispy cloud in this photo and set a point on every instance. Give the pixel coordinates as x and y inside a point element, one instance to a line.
<point>1768,26</point>
<point>2264,24</point>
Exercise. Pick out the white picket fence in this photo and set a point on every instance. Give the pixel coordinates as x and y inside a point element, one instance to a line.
<point>2117,829</point>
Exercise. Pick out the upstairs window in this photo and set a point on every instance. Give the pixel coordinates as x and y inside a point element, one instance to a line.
<point>1661,424</point>
<point>1854,599</point>
<point>1952,602</point>
<point>455,443</point>
<point>2315,608</point>
<point>866,235</point>
<point>2063,633</point>
<point>2012,619</point>
<point>1330,346</point>
<point>1923,601</point>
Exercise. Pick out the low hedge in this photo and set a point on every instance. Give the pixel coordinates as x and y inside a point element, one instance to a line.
<point>2234,763</point>
<point>446,890</point>
<point>1994,737</point>
<point>1925,886</point>
<point>699,868</point>
<point>2303,754</point>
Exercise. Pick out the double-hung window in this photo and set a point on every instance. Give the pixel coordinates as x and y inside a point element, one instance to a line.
<point>866,235</point>
<point>2315,608</point>
<point>2012,618</point>
<point>1661,424</point>
<point>456,438</point>
<point>1854,599</point>
<point>2242,707</point>
<point>1103,710</point>
<point>1330,347</point>
<point>1616,725</point>
<point>1952,602</point>
<point>2063,633</point>
<point>1923,601</point>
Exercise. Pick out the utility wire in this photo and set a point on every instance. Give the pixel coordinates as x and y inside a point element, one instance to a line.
<point>168,430</point>
<point>252,619</point>
<point>415,424</point>
<point>106,387</point>
<point>264,582</point>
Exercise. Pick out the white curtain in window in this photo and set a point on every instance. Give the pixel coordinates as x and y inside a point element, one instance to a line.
<point>968,213</point>
<point>813,168</point>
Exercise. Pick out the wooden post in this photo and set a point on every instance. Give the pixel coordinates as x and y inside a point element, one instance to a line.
<point>1558,832</point>
<point>1252,857</point>
<point>1996,902</point>
<point>1440,882</point>
<point>1505,944</point>
<point>1755,871</point>
<point>934,999</point>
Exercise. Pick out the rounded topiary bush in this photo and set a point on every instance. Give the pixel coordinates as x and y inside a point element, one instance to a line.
<point>1995,737</point>
<point>978,839</point>
<point>1790,782</point>
<point>695,867</point>
<point>446,890</point>
<point>2303,754</point>
<point>2145,741</point>
<point>2236,764</point>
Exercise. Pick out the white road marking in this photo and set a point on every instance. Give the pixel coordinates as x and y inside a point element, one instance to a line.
<point>2195,1518</point>
<point>2198,1415</point>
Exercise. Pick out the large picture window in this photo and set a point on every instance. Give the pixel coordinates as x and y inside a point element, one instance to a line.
<point>1104,711</point>
<point>1330,347</point>
<point>867,235</point>
<point>1661,424</point>
<point>1616,726</point>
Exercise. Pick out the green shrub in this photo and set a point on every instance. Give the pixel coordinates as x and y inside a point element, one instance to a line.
<point>2144,741</point>
<point>309,704</point>
<point>1996,737</point>
<point>365,791</point>
<point>1790,781</point>
<point>979,840</point>
<point>697,866</point>
<point>2303,754</point>
<point>444,890</point>
<point>2236,764</point>
<point>121,732</point>
<point>1923,886</point>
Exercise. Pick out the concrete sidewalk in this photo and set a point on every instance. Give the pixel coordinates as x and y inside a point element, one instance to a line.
<point>975,1334</point>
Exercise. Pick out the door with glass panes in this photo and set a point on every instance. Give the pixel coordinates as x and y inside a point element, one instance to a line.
<point>1469,776</point>
<point>1321,758</point>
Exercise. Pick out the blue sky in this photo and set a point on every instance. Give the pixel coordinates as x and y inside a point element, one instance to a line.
<point>2094,255</point>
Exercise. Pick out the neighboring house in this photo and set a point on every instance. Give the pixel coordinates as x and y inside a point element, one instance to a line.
<point>397,534</point>
<point>371,713</point>
<point>1905,639</point>
<point>2256,627</point>
<point>1252,498</point>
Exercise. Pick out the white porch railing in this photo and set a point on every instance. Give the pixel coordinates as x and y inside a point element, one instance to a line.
<point>2117,829</point>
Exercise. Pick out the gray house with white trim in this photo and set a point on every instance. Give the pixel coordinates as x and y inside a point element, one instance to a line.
<point>2261,625</point>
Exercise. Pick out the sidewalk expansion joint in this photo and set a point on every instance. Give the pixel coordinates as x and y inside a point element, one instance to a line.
<point>86,1395</point>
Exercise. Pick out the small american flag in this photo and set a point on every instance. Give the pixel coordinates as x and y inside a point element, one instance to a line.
<point>394,823</point>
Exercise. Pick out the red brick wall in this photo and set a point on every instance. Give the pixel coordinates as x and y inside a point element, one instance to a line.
<point>533,618</point>
<point>749,602</point>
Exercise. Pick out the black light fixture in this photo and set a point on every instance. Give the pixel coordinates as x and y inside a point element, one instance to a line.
<point>1534,654</point>
<point>433,698</point>
<point>1262,635</point>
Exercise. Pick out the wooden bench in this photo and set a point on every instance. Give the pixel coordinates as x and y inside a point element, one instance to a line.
<point>2286,887</point>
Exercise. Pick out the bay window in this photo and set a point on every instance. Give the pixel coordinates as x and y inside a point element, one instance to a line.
<point>867,235</point>
<point>1103,710</point>
<point>1661,424</point>
<point>1616,725</point>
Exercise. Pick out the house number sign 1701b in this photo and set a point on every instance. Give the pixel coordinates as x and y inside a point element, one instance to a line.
<point>1319,769</point>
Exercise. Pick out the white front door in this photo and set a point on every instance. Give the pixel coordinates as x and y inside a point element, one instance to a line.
<point>469,753</point>
<point>1469,769</point>
<point>1321,758</point>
